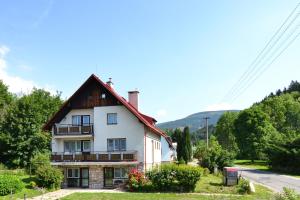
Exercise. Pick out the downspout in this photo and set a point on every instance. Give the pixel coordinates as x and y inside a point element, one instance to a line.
<point>145,148</point>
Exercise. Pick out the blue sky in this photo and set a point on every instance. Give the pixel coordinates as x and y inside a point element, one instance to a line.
<point>183,56</point>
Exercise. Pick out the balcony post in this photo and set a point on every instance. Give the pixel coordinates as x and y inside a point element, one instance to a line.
<point>109,156</point>
<point>121,156</point>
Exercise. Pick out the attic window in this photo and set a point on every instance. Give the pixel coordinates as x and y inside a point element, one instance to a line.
<point>103,96</point>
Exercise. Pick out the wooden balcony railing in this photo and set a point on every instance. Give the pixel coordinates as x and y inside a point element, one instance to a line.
<point>94,156</point>
<point>69,129</point>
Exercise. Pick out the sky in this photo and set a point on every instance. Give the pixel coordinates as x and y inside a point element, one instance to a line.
<point>183,56</point>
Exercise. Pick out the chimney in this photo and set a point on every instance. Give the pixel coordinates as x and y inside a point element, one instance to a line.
<point>110,83</point>
<point>133,98</point>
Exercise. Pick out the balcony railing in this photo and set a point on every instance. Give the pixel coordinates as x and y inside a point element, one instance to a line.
<point>103,156</point>
<point>69,129</point>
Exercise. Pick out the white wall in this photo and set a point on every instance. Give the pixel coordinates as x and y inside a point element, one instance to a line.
<point>153,150</point>
<point>165,151</point>
<point>128,127</point>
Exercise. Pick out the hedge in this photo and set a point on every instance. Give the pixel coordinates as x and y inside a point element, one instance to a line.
<point>10,183</point>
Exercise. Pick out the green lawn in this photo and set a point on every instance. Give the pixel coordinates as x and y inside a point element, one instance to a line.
<point>260,165</point>
<point>27,190</point>
<point>207,184</point>
<point>160,196</point>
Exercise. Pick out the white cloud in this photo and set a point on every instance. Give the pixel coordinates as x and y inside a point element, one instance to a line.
<point>16,84</point>
<point>161,113</point>
<point>218,106</point>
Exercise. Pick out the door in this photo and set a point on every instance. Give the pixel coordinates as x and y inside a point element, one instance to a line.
<point>108,176</point>
<point>85,177</point>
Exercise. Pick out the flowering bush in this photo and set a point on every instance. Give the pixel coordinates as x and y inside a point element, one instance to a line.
<point>136,180</point>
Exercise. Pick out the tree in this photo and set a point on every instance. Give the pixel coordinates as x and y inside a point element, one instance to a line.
<point>253,131</point>
<point>5,99</point>
<point>22,135</point>
<point>225,132</point>
<point>214,156</point>
<point>179,150</point>
<point>186,145</point>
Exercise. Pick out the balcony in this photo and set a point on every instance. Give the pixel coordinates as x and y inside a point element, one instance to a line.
<point>73,130</point>
<point>123,156</point>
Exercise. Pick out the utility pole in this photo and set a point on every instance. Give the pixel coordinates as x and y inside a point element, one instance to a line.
<point>206,123</point>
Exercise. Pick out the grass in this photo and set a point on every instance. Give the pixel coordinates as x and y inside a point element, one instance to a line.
<point>208,184</point>
<point>26,180</point>
<point>261,165</point>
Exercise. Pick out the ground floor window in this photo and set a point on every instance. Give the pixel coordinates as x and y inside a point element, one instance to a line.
<point>121,173</point>
<point>78,177</point>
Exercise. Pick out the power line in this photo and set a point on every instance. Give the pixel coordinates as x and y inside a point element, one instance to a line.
<point>267,67</point>
<point>262,54</point>
<point>269,56</point>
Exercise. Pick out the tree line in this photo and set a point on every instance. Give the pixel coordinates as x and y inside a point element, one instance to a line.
<point>268,130</point>
<point>21,121</point>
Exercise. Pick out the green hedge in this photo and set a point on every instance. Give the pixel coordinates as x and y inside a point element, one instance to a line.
<point>10,183</point>
<point>171,177</point>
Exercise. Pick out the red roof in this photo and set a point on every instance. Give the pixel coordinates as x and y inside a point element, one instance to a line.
<point>146,120</point>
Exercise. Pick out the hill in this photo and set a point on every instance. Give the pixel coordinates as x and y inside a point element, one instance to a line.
<point>195,121</point>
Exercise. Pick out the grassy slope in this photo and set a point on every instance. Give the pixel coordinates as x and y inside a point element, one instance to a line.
<point>27,190</point>
<point>208,184</point>
<point>260,165</point>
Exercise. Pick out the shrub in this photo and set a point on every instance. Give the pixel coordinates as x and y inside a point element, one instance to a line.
<point>175,177</point>
<point>32,184</point>
<point>49,177</point>
<point>214,156</point>
<point>243,186</point>
<point>38,160</point>
<point>10,183</point>
<point>287,194</point>
<point>136,180</point>
<point>205,171</point>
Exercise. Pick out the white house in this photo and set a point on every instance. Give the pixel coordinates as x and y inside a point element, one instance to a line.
<point>98,136</point>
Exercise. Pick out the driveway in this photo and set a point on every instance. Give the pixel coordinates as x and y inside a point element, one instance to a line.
<point>273,181</point>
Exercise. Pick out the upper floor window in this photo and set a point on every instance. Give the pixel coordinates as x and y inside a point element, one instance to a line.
<point>112,118</point>
<point>116,144</point>
<point>78,120</point>
<point>72,146</point>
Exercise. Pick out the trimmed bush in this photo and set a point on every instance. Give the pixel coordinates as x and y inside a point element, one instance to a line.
<point>49,177</point>
<point>32,184</point>
<point>171,177</point>
<point>10,183</point>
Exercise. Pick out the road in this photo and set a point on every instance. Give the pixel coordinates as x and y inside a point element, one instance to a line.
<point>273,181</point>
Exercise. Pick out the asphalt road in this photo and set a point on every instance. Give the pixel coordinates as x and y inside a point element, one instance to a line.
<point>271,180</point>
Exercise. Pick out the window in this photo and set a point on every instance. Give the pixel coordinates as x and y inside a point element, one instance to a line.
<point>120,173</point>
<point>73,173</point>
<point>85,120</point>
<point>116,144</point>
<point>76,120</point>
<point>103,96</point>
<point>86,146</point>
<point>112,118</point>
<point>72,146</point>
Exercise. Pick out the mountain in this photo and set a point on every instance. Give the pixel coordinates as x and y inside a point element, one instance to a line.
<point>195,121</point>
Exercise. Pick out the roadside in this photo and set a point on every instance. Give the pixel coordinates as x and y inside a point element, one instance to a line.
<point>272,180</point>
<point>261,165</point>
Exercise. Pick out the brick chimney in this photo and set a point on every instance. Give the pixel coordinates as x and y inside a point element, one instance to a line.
<point>110,83</point>
<point>133,98</point>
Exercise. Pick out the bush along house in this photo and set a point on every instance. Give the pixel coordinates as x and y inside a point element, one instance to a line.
<point>98,136</point>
